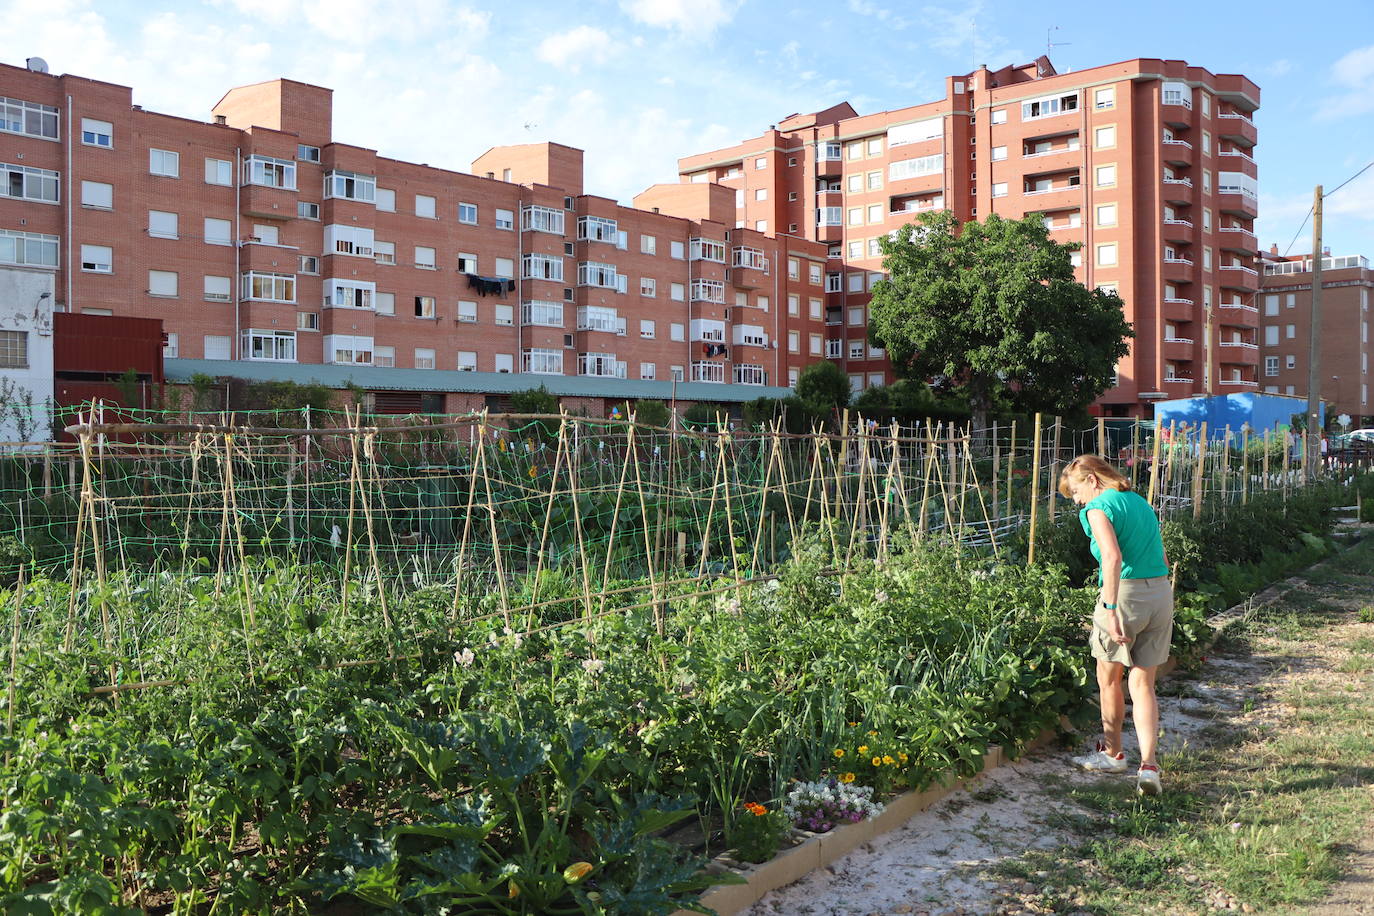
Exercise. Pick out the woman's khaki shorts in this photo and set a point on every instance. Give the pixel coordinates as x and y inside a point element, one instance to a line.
<point>1146,607</point>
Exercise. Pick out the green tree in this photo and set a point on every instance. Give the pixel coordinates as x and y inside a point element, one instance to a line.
<point>537,400</point>
<point>649,412</point>
<point>824,386</point>
<point>995,307</point>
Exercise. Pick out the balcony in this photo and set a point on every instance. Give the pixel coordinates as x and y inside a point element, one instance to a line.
<point>1234,276</point>
<point>1235,127</point>
<point>1178,190</point>
<point>1178,348</point>
<point>1237,202</point>
<point>1179,309</point>
<point>1238,382</point>
<point>1178,152</point>
<point>828,163</point>
<point>1234,160</point>
<point>1176,109</point>
<point>1178,230</point>
<point>268,202</point>
<point>1237,238</point>
<point>749,268</point>
<point>1235,314</point>
<point>1237,353</point>
<point>1177,269</point>
<point>1048,197</point>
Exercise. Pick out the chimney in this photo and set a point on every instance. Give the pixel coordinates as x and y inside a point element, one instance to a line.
<point>221,120</point>
<point>1274,248</point>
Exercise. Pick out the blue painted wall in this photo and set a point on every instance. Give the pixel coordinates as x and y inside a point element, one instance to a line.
<point>1261,411</point>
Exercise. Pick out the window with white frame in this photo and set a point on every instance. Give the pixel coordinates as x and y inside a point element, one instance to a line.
<point>915,132</point>
<point>816,309</point>
<point>504,268</point>
<point>542,314</point>
<point>467,213</point>
<point>467,361</point>
<point>503,362</point>
<point>385,303</point>
<point>708,329</point>
<point>834,282</point>
<point>677,292</point>
<point>343,185</point>
<point>1290,362</point>
<point>815,348</point>
<point>1048,106</point>
<point>347,350</point>
<point>307,321</point>
<point>542,267</point>
<point>352,240</point>
<point>999,189</point>
<point>597,274</point>
<point>307,153</point>
<point>1177,94</point>
<point>215,346</point>
<point>750,335</point>
<point>32,119</point>
<point>708,291</point>
<point>272,346</point>
<point>22,182</point>
<point>1290,331</point>
<point>505,219</point>
<point>1106,255</point>
<point>1104,98</point>
<point>1271,335</point>
<point>93,132</point>
<point>162,283</point>
<point>97,259</point>
<point>308,264</point>
<point>705,371</point>
<point>597,229</point>
<point>676,373</point>
<point>162,225</point>
<point>745,374</point>
<point>267,172</point>
<point>267,235</point>
<point>855,282</point>
<point>424,358</point>
<point>856,349</point>
<point>218,231</point>
<point>541,219</point>
<point>708,250</point>
<point>262,286</point>
<point>761,162</point>
<point>916,168</point>
<point>353,294</point>
<point>1105,176</point>
<point>1104,137</point>
<point>384,252</point>
<point>856,216</point>
<point>648,371</point>
<point>164,162</point>
<point>604,365</point>
<point>467,262</point>
<point>467,311</point>
<point>752,258</point>
<point>217,289</point>
<point>29,248</point>
<point>829,216</point>
<point>541,361</point>
<point>834,348</point>
<point>1106,214</point>
<point>97,195</point>
<point>648,287</point>
<point>794,341</point>
<point>677,331</point>
<point>648,329</point>
<point>386,200</point>
<point>170,348</point>
<point>424,206</point>
<point>999,153</point>
<point>648,244</point>
<point>599,318</point>
<point>425,307</point>
<point>425,257</point>
<point>307,210</point>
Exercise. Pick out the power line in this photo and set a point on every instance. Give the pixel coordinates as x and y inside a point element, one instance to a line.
<point>1324,196</point>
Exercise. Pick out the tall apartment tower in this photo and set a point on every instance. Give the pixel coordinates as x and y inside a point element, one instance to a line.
<point>261,241</point>
<point>1147,164</point>
<point>1285,326</point>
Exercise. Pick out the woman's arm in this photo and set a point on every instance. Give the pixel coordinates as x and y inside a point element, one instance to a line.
<point>1110,549</point>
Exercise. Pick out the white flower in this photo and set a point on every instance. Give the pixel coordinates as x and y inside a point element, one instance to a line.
<point>593,666</point>
<point>880,596</point>
<point>464,658</point>
<point>732,607</point>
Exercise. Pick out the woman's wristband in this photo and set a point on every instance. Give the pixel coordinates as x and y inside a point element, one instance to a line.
<point>1110,607</point>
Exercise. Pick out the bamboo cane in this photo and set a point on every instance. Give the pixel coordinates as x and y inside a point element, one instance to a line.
<point>1035,489</point>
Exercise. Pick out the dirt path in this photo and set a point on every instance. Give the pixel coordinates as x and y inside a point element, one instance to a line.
<point>953,859</point>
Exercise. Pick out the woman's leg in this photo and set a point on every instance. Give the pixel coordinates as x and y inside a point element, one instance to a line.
<point>1113,702</point>
<point>1145,711</point>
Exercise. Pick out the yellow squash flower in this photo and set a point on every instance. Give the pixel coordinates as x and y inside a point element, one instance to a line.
<point>839,752</point>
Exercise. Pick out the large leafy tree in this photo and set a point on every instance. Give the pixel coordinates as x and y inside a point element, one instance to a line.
<point>994,307</point>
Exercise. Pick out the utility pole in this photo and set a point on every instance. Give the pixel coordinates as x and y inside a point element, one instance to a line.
<point>1314,346</point>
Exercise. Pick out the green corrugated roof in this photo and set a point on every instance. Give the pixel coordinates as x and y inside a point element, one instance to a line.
<point>444,380</point>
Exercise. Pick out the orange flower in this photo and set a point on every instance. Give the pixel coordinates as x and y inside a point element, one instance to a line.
<point>755,809</point>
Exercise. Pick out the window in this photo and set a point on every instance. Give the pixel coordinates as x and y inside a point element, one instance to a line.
<point>542,267</point>
<point>706,371</point>
<point>541,361</point>
<point>164,162</point>
<point>597,229</point>
<point>1206,259</point>
<point>505,219</point>
<point>855,150</point>
<point>833,283</point>
<point>999,153</point>
<point>677,292</point>
<point>760,225</point>
<point>424,206</point>
<point>916,168</point>
<point>1105,137</point>
<point>708,291</point>
<point>708,250</point>
<point>761,163</point>
<point>170,349</point>
<point>875,181</point>
<point>999,189</point>
<point>1104,98</point>
<point>386,303</point>
<point>676,373</point>
<point>1271,335</point>
<point>1206,104</point>
<point>875,249</point>
<point>602,276</point>
<point>505,316</point>
<point>1206,143</point>
<point>856,349</point>
<point>600,318</point>
<point>854,183</point>
<point>1206,181</point>
<point>24,183</point>
<point>648,286</point>
<point>14,349</point>
<point>467,263</point>
<point>999,116</point>
<point>308,264</point>
<point>424,307</point>
<point>217,289</point>
<point>648,371</point>
<point>1177,94</point>
<point>856,282</point>
<point>386,200</point>
<point>350,186</point>
<point>267,235</point>
<point>424,257</point>
<point>384,252</point>
<point>1048,106</point>
<point>307,210</point>
<point>677,331</point>
<point>218,231</point>
<point>1291,300</point>
<point>647,328</point>
<point>1290,331</point>
<point>424,358</point>
<point>267,172</point>
<point>467,361</point>
<point>355,294</point>
<point>216,347</point>
<point>268,287</point>
<point>1271,305</point>
<point>347,349</point>
<point>307,153</point>
<point>677,250</point>
<point>1271,366</point>
<point>97,195</point>
<point>353,240</point>
<point>875,213</point>
<point>1290,362</point>
<point>31,119</point>
<point>467,213</point>
<point>162,225</point>
<point>1106,214</point>
<point>97,259</point>
<point>1105,176</point>
<point>875,146</point>
<point>273,346</point>
<point>855,248</point>
<point>648,244</point>
<point>541,219</point>
<point>93,132</point>
<point>541,313</point>
<point>1106,255</point>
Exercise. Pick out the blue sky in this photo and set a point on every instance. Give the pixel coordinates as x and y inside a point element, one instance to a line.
<point>637,83</point>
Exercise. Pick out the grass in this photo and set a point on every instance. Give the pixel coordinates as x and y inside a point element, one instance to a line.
<point>1263,815</point>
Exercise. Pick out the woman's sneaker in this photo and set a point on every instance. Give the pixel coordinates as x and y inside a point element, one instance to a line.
<point>1099,761</point>
<point>1147,781</point>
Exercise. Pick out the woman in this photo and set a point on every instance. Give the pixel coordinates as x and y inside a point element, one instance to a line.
<point>1133,622</point>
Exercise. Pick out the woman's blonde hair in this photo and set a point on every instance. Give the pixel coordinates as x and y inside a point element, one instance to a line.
<point>1083,465</point>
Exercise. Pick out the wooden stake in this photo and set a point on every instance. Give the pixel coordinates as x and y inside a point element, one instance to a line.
<point>1199,467</point>
<point>1035,489</point>
<point>1052,483</point>
<point>1154,468</point>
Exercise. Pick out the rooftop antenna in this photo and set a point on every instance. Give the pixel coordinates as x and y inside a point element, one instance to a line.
<point>1050,43</point>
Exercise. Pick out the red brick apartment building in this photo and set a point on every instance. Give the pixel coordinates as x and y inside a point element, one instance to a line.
<point>1148,164</point>
<point>268,250</point>
<point>1286,319</point>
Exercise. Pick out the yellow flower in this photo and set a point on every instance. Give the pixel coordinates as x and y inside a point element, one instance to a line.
<point>873,733</point>
<point>576,872</point>
<point>863,748</point>
<point>839,752</point>
<point>513,890</point>
<point>852,724</point>
<point>877,761</point>
<point>847,777</point>
<point>887,759</point>
<point>901,755</point>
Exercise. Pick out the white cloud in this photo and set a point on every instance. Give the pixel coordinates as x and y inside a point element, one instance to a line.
<point>1354,74</point>
<point>1355,199</point>
<point>1281,67</point>
<point>696,16</point>
<point>572,49</point>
